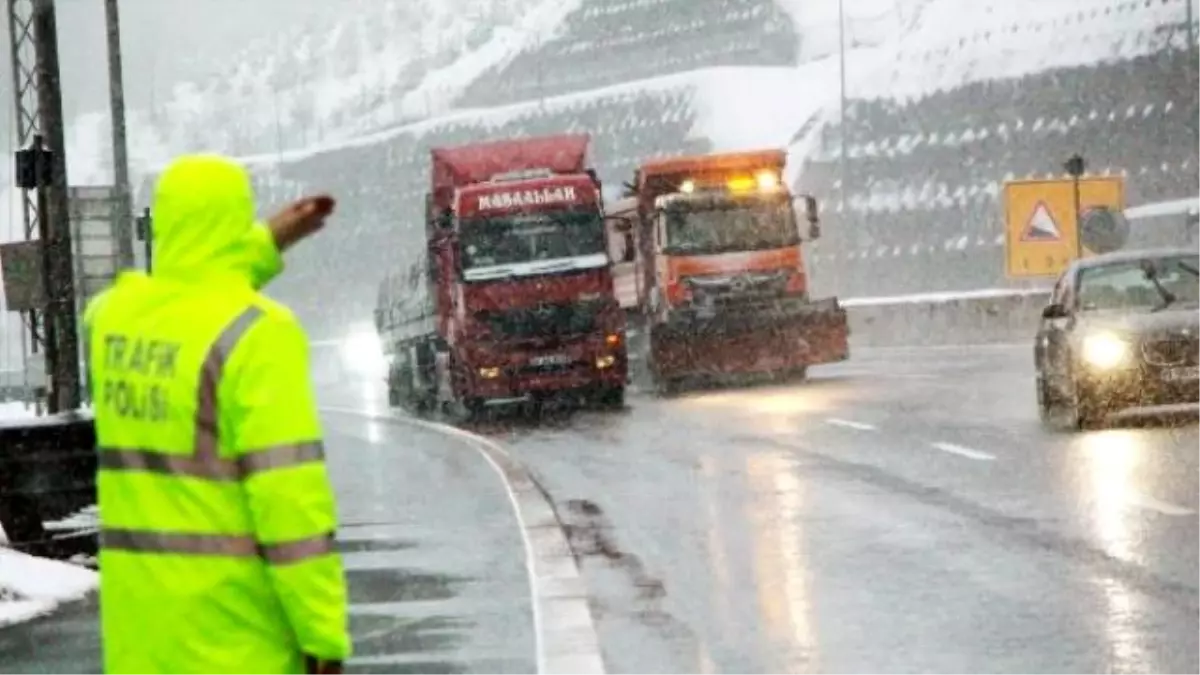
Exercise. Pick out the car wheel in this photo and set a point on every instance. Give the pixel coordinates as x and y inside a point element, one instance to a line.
<point>1086,411</point>
<point>1045,402</point>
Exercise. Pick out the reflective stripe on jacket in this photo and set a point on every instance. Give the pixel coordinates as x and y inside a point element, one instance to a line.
<point>217,517</point>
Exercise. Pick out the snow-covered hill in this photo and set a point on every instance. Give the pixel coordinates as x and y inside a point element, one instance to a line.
<point>392,62</point>
<point>379,62</point>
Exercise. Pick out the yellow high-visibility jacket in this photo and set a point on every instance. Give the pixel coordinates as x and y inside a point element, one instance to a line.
<point>217,516</point>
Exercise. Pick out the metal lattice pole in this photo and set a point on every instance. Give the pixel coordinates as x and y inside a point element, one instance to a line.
<point>27,117</point>
<point>33,38</point>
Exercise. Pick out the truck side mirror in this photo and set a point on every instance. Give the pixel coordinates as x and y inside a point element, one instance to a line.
<point>812,217</point>
<point>629,254</point>
<point>623,226</point>
<point>1055,311</point>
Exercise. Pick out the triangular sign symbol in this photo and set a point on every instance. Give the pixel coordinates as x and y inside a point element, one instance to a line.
<point>1041,226</point>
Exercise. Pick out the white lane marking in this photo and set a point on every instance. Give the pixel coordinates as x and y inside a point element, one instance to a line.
<point>565,637</point>
<point>850,424</point>
<point>1150,503</point>
<point>880,351</point>
<point>964,452</point>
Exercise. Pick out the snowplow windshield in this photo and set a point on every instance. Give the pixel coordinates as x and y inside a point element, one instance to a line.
<point>488,242</point>
<point>734,225</point>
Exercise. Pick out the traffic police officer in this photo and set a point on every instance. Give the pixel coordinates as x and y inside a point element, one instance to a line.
<point>217,516</point>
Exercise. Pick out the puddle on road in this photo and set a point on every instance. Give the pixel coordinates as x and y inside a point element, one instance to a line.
<point>401,585</point>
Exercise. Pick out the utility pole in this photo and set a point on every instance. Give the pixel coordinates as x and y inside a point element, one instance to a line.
<point>842,100</point>
<point>116,95</point>
<point>843,208</point>
<point>1191,32</point>
<point>61,330</point>
<point>1189,82</point>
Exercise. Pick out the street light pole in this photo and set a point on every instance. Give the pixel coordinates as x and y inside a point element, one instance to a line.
<point>116,96</point>
<point>1191,32</point>
<point>843,212</point>
<point>842,101</point>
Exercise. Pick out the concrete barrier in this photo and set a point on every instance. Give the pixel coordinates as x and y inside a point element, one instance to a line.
<point>964,317</point>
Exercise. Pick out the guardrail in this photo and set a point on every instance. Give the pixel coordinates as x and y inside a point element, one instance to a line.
<point>970,317</point>
<point>47,472</point>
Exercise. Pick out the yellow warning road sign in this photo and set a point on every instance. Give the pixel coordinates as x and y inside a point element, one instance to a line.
<point>1040,234</point>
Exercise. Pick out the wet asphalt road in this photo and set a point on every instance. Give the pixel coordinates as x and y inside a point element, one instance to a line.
<point>902,512</point>
<point>433,557</point>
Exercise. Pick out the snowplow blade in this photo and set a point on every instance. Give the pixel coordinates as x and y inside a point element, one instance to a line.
<point>775,341</point>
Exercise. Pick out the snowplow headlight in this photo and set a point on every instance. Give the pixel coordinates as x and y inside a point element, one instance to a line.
<point>767,180</point>
<point>687,186</point>
<point>489,373</point>
<point>605,361</point>
<point>741,184</point>
<point>1104,351</point>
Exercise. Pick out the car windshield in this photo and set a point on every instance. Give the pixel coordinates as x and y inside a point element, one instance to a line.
<point>1127,285</point>
<point>733,226</point>
<point>542,236</point>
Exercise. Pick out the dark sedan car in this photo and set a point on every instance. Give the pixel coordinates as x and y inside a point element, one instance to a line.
<point>1121,331</point>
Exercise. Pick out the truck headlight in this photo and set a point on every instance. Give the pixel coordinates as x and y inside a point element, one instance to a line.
<point>1104,351</point>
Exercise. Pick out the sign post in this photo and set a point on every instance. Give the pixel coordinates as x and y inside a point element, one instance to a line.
<point>94,213</point>
<point>1047,225</point>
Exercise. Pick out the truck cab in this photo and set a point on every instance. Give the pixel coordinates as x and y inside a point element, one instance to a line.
<point>720,276</point>
<point>729,247</point>
<point>521,274</point>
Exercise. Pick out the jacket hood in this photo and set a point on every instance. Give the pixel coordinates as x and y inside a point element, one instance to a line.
<point>203,221</point>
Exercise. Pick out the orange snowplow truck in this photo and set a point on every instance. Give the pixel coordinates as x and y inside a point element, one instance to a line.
<point>718,269</point>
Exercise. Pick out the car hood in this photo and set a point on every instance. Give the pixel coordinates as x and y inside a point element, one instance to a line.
<point>1180,319</point>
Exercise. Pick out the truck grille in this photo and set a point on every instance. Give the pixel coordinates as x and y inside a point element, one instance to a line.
<point>739,291</point>
<point>1171,351</point>
<point>546,321</point>
<point>546,369</point>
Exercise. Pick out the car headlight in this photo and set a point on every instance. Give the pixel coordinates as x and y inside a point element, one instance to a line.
<point>1104,351</point>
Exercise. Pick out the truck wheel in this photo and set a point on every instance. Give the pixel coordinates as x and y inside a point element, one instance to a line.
<point>402,391</point>
<point>667,386</point>
<point>425,402</point>
<point>474,407</point>
<point>611,397</point>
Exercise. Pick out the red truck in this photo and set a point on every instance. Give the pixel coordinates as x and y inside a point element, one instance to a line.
<point>513,299</point>
<point>709,256</point>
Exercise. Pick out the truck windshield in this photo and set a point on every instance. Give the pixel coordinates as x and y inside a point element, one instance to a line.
<point>488,242</point>
<point>733,226</point>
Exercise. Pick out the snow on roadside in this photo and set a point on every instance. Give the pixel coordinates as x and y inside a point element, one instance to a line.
<point>16,411</point>
<point>31,587</point>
